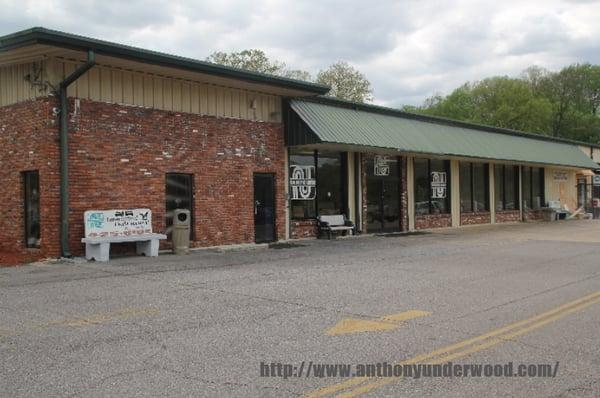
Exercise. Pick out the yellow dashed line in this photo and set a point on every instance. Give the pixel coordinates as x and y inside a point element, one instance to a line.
<point>470,346</point>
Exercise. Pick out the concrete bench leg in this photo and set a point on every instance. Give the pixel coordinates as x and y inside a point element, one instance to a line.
<point>148,248</point>
<point>97,251</point>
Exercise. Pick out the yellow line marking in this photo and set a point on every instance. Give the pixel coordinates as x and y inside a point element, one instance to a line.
<point>100,318</point>
<point>405,316</point>
<point>95,319</point>
<point>499,336</point>
<point>389,322</point>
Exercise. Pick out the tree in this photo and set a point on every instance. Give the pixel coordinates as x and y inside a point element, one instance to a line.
<point>562,104</point>
<point>253,59</point>
<point>257,61</point>
<point>346,82</point>
<point>498,101</point>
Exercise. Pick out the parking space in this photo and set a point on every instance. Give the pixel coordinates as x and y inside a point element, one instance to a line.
<point>203,323</point>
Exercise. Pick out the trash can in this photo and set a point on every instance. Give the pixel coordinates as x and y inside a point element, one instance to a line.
<point>596,207</point>
<point>181,231</point>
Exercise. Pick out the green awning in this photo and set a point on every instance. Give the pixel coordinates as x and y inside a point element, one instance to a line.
<point>369,126</point>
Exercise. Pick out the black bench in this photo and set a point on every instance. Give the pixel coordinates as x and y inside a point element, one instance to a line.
<point>334,223</point>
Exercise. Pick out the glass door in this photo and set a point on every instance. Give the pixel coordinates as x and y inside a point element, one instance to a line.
<point>383,194</point>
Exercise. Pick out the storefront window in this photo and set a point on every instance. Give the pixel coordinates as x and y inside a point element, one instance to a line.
<point>506,192</point>
<point>474,187</point>
<point>533,187</point>
<point>330,193</point>
<point>303,187</point>
<point>432,183</point>
<point>31,188</point>
<point>466,193</point>
<point>317,183</point>
<point>511,188</point>
<point>537,177</point>
<point>480,187</point>
<point>526,187</point>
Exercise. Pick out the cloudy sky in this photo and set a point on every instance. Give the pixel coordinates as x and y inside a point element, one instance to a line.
<point>409,50</point>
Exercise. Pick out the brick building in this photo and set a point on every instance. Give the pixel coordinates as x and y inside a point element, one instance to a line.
<point>86,124</point>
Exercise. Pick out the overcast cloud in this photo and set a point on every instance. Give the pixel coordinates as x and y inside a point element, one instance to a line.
<point>409,50</point>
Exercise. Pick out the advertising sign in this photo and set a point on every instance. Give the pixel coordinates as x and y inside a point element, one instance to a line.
<point>561,176</point>
<point>438,184</point>
<point>303,185</point>
<point>381,166</point>
<point>117,223</point>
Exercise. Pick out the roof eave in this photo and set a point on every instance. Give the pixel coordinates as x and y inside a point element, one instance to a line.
<point>80,43</point>
<point>441,120</point>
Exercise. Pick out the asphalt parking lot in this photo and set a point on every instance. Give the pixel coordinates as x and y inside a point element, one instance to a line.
<point>201,324</point>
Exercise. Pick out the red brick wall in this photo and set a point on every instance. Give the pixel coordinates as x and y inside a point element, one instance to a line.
<point>118,159</point>
<point>533,215</point>
<point>508,216</point>
<point>120,154</point>
<point>403,194</point>
<point>303,229</point>
<point>433,221</point>
<point>474,218</point>
<point>29,141</point>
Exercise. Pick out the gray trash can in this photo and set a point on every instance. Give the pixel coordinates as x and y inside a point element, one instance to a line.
<point>181,231</point>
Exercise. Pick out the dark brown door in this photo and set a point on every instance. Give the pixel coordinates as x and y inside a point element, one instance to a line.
<point>264,208</point>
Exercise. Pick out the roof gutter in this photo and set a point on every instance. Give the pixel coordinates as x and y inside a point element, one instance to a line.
<point>101,47</point>
<point>64,150</point>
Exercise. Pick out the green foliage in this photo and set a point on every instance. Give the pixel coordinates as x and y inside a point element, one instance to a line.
<point>562,104</point>
<point>253,59</point>
<point>346,82</point>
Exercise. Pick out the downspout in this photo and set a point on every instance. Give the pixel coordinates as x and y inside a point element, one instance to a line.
<point>64,151</point>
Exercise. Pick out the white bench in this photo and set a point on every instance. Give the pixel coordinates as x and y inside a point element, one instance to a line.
<point>99,248</point>
<point>334,223</point>
<point>103,227</point>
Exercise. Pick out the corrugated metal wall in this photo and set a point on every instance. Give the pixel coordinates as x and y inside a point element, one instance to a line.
<point>13,84</point>
<point>103,83</point>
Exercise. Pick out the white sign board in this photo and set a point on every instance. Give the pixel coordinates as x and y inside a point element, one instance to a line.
<point>381,166</point>
<point>438,185</point>
<point>303,184</point>
<point>561,176</point>
<point>117,223</point>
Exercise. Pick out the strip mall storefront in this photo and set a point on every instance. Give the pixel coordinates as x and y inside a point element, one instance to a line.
<point>385,190</point>
<point>253,158</point>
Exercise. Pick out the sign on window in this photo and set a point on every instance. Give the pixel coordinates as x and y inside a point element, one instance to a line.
<point>303,185</point>
<point>438,184</point>
<point>596,180</point>
<point>381,166</point>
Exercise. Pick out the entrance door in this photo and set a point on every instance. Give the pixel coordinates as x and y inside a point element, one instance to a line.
<point>581,193</point>
<point>264,208</point>
<point>383,194</point>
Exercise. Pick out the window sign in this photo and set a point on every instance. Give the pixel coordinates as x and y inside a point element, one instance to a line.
<point>596,180</point>
<point>302,182</point>
<point>381,166</point>
<point>438,184</point>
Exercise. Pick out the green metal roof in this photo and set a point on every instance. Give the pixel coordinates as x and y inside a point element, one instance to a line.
<point>358,125</point>
<point>39,35</point>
